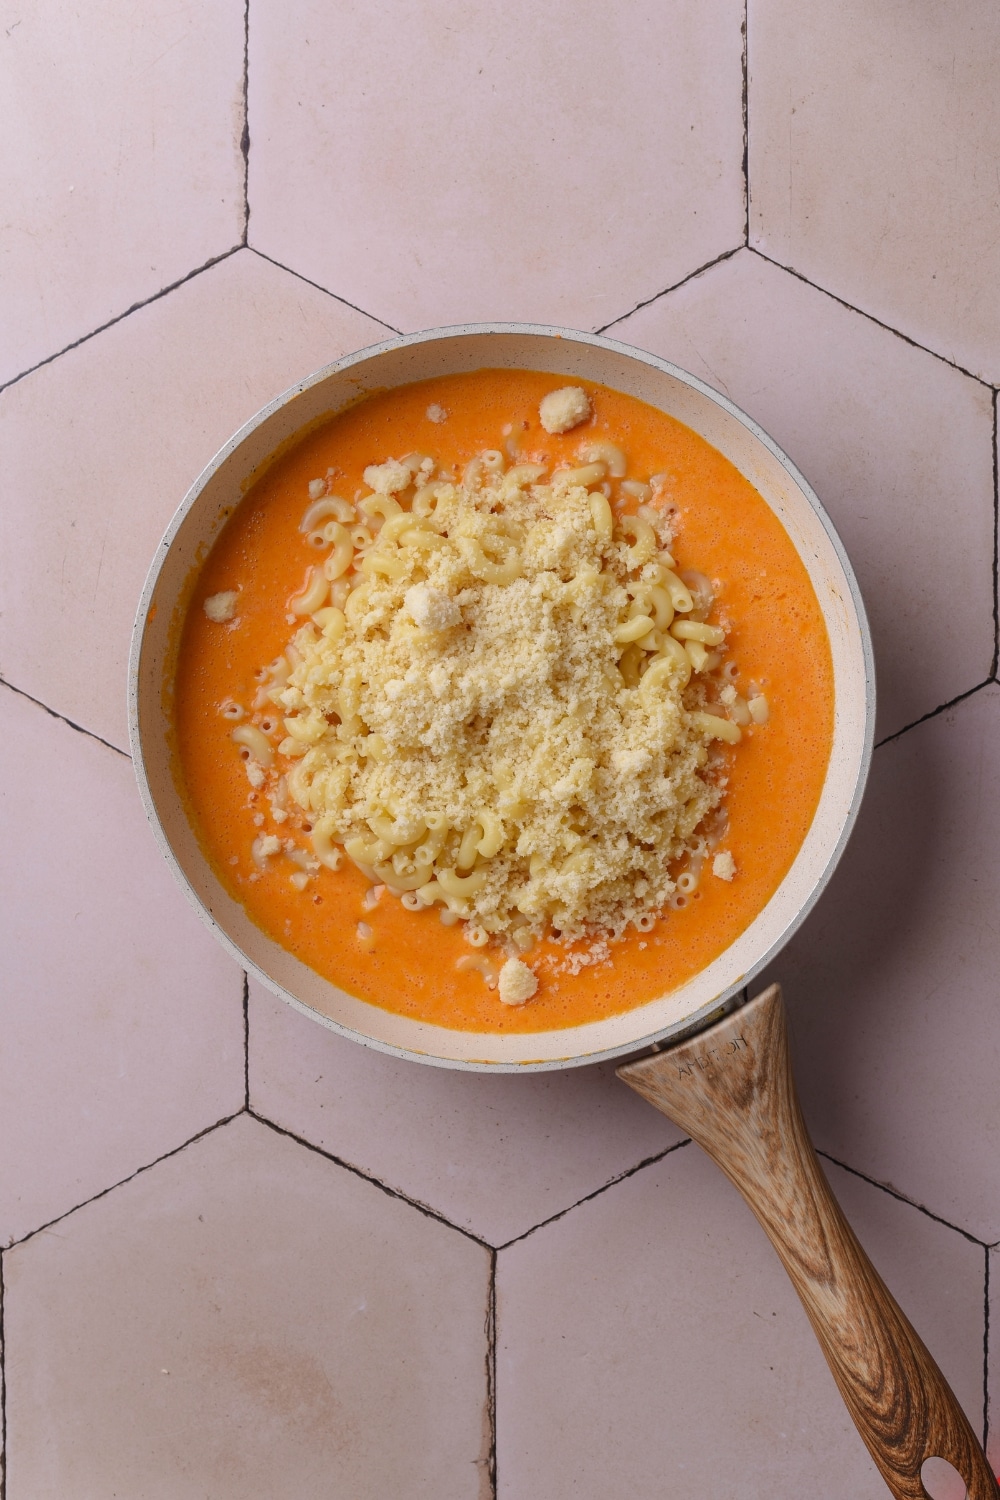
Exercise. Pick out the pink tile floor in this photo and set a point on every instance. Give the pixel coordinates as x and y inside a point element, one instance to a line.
<point>238,1255</point>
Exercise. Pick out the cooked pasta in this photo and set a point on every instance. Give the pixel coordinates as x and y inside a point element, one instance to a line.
<point>506,712</point>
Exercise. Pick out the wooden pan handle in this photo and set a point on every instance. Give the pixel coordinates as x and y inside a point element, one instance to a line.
<point>731,1089</point>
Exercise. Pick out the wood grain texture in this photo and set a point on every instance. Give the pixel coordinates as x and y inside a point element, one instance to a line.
<point>731,1089</point>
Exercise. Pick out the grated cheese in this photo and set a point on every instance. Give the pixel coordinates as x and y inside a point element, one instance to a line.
<point>388,478</point>
<point>564,409</point>
<point>517,983</point>
<point>430,608</point>
<point>221,607</point>
<point>476,681</point>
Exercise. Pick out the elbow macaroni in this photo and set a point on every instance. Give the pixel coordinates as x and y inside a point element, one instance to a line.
<point>540,764</point>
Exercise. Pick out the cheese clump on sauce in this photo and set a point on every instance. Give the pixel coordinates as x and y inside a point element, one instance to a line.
<point>463,729</point>
<point>517,983</point>
<point>564,409</point>
<point>221,608</point>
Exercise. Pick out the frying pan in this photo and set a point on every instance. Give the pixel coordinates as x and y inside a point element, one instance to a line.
<point>718,1068</point>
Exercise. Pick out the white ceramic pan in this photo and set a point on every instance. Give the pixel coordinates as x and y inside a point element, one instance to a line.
<point>730,1087</point>
<point>204,512</point>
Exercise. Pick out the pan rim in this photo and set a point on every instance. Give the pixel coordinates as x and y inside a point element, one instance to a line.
<point>696,1018</point>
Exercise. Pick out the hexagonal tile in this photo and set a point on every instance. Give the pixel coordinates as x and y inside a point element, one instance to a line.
<point>247,1320</point>
<point>513,161</point>
<point>892,981</point>
<point>122,1018</point>
<point>898,446</point>
<point>113,190</point>
<point>650,1343</point>
<point>496,1155</point>
<point>100,447</point>
<point>874,137</point>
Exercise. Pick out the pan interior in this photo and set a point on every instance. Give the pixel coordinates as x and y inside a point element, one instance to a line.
<point>204,512</point>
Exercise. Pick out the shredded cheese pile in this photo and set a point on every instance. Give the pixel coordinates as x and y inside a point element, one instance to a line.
<point>467,725</point>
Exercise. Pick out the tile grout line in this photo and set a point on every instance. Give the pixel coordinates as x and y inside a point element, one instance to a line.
<point>376,1182</point>
<point>3,1390</point>
<point>146,1167</point>
<point>648,1161</point>
<point>245,133</point>
<point>324,289</point>
<point>63,719</point>
<point>901,1198</point>
<point>824,291</point>
<point>871,318</point>
<point>746,123</point>
<point>648,301</point>
<point>986,1351</point>
<point>933,713</point>
<point>491,1376</point>
<point>996,542</point>
<point>246,1041</point>
<point>120,317</point>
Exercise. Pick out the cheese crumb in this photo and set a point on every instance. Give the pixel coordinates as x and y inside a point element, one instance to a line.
<point>436,413</point>
<point>723,865</point>
<point>221,607</point>
<point>263,846</point>
<point>387,478</point>
<point>560,410</point>
<point>517,982</point>
<point>430,608</point>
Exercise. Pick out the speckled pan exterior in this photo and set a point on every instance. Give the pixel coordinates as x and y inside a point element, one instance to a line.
<point>574,355</point>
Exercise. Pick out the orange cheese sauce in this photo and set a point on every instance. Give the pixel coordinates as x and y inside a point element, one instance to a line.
<point>776,636</point>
